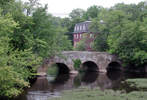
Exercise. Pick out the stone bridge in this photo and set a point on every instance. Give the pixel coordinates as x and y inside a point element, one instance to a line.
<point>92,61</point>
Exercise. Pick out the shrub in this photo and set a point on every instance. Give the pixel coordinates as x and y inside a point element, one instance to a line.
<point>52,70</point>
<point>77,63</point>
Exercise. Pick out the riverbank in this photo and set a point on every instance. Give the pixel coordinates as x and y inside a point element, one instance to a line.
<point>87,93</point>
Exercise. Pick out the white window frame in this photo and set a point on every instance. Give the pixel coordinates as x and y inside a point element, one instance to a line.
<point>75,36</point>
<point>80,36</point>
<point>77,28</point>
<point>91,44</point>
<point>84,27</point>
<point>91,35</point>
<point>80,27</point>
<point>75,44</point>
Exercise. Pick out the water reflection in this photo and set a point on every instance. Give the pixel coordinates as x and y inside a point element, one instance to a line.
<point>77,81</point>
<point>59,79</point>
<point>50,86</point>
<point>113,75</point>
<point>90,77</point>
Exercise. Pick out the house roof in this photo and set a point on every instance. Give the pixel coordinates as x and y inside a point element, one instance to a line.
<point>85,24</point>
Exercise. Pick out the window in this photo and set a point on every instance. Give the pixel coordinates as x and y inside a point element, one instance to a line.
<point>77,36</point>
<point>84,27</point>
<point>74,44</point>
<point>80,27</point>
<point>91,44</point>
<point>77,27</point>
<point>91,36</point>
<point>80,36</point>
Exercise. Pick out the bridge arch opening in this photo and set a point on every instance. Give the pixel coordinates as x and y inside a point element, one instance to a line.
<point>62,68</point>
<point>114,66</point>
<point>90,66</point>
<point>57,68</point>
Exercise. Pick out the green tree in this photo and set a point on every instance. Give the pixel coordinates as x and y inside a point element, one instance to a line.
<point>92,12</point>
<point>65,22</point>
<point>82,45</point>
<point>14,64</point>
<point>131,9</point>
<point>56,21</point>
<point>76,13</point>
<point>127,38</point>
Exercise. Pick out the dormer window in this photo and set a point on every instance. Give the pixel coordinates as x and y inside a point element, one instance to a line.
<point>77,27</point>
<point>80,27</point>
<point>84,27</point>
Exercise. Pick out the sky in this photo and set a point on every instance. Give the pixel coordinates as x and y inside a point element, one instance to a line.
<point>62,8</point>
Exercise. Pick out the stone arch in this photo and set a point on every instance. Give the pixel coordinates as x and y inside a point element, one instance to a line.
<point>62,68</point>
<point>114,65</point>
<point>90,66</point>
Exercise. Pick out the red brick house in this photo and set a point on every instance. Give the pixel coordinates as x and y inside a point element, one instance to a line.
<point>81,28</point>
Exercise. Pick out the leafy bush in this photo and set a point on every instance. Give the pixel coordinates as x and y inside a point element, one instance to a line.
<point>52,70</point>
<point>77,63</point>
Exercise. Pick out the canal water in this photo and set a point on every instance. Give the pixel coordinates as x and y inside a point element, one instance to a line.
<point>50,86</point>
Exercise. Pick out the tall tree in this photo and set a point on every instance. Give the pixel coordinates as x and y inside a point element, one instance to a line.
<point>13,63</point>
<point>76,13</point>
<point>92,12</point>
<point>82,45</point>
<point>65,22</point>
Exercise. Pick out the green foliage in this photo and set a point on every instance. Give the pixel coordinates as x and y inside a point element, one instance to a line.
<point>11,82</point>
<point>100,41</point>
<point>137,83</point>
<point>123,32</point>
<point>92,12</point>
<point>26,38</point>
<point>76,13</point>
<point>82,45</point>
<point>52,70</point>
<point>77,63</point>
<point>14,64</point>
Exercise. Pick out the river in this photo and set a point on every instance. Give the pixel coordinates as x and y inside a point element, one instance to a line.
<point>50,86</point>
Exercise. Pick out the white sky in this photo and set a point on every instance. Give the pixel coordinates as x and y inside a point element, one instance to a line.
<point>62,8</point>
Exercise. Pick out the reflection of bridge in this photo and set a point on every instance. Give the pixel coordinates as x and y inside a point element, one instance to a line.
<point>95,61</point>
<point>92,79</point>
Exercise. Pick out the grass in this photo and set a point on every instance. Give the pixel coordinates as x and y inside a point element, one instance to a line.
<point>86,93</point>
<point>139,83</point>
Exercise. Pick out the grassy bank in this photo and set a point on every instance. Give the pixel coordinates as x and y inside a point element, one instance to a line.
<point>139,83</point>
<point>86,93</point>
